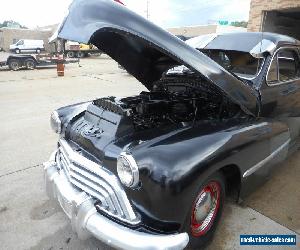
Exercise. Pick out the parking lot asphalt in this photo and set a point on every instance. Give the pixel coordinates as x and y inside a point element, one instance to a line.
<point>28,220</point>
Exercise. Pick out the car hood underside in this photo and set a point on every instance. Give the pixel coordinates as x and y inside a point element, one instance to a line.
<point>145,50</point>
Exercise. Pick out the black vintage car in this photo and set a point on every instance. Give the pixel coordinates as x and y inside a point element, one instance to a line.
<point>151,171</point>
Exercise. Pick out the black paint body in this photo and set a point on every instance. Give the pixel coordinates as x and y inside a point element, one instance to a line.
<point>174,160</point>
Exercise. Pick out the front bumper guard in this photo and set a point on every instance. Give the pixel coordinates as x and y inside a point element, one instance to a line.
<point>87,222</point>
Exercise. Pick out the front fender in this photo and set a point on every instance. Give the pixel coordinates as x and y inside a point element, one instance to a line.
<point>173,167</point>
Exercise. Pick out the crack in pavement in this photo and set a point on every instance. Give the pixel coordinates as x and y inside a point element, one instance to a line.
<point>20,170</point>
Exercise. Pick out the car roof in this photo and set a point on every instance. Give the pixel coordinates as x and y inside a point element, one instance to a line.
<point>242,41</point>
<point>258,36</point>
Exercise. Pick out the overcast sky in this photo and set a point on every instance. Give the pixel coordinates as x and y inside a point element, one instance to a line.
<point>166,13</point>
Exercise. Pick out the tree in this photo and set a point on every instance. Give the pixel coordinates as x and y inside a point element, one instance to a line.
<point>11,23</point>
<point>243,24</point>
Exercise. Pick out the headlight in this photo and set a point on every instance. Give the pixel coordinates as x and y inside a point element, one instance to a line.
<point>128,170</point>
<point>55,122</point>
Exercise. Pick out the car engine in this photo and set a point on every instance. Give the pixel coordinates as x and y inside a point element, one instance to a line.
<point>173,100</point>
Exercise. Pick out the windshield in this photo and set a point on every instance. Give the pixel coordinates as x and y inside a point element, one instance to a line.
<point>242,64</point>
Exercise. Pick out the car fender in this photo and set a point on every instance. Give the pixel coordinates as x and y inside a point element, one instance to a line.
<point>173,167</point>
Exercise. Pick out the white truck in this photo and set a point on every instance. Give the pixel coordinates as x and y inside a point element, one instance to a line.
<point>27,45</point>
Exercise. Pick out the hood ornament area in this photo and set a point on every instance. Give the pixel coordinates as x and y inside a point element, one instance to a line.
<point>92,131</point>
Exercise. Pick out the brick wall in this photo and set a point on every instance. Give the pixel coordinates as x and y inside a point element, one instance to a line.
<point>258,6</point>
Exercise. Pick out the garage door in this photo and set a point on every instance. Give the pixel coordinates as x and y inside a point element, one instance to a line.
<point>286,22</point>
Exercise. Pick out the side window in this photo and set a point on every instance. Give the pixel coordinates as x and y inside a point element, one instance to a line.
<point>21,42</point>
<point>273,71</point>
<point>288,64</point>
<point>284,67</point>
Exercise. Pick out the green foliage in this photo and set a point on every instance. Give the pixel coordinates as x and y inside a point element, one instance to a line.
<point>223,22</point>
<point>243,24</point>
<point>11,23</point>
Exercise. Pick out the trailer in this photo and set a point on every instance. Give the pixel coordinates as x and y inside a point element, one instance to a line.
<point>16,62</point>
<point>80,50</point>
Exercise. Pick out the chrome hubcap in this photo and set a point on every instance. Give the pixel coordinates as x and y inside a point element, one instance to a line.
<point>203,206</point>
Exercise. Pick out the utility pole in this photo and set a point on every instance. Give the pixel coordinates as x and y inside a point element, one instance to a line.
<point>148,14</point>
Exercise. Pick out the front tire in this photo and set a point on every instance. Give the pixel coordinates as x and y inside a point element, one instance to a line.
<point>206,211</point>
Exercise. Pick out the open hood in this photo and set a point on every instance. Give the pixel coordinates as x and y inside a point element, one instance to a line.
<point>144,49</point>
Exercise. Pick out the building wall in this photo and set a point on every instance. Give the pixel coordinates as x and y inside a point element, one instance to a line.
<point>1,40</point>
<point>258,6</point>
<point>229,29</point>
<point>9,36</point>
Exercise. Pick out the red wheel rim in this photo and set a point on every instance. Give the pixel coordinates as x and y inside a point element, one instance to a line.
<point>205,208</point>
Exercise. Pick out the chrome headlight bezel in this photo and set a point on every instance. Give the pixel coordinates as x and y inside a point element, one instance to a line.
<point>55,122</point>
<point>126,165</point>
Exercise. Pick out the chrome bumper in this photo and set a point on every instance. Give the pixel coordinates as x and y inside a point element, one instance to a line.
<point>86,221</point>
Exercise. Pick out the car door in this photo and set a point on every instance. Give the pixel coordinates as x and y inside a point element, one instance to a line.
<point>20,45</point>
<point>280,95</point>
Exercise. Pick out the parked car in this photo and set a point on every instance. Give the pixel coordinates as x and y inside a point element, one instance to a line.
<point>151,171</point>
<point>28,46</point>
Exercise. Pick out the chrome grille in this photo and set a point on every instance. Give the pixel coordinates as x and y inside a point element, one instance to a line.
<point>97,182</point>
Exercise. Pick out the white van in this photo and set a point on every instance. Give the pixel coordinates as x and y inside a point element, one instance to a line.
<point>27,45</point>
